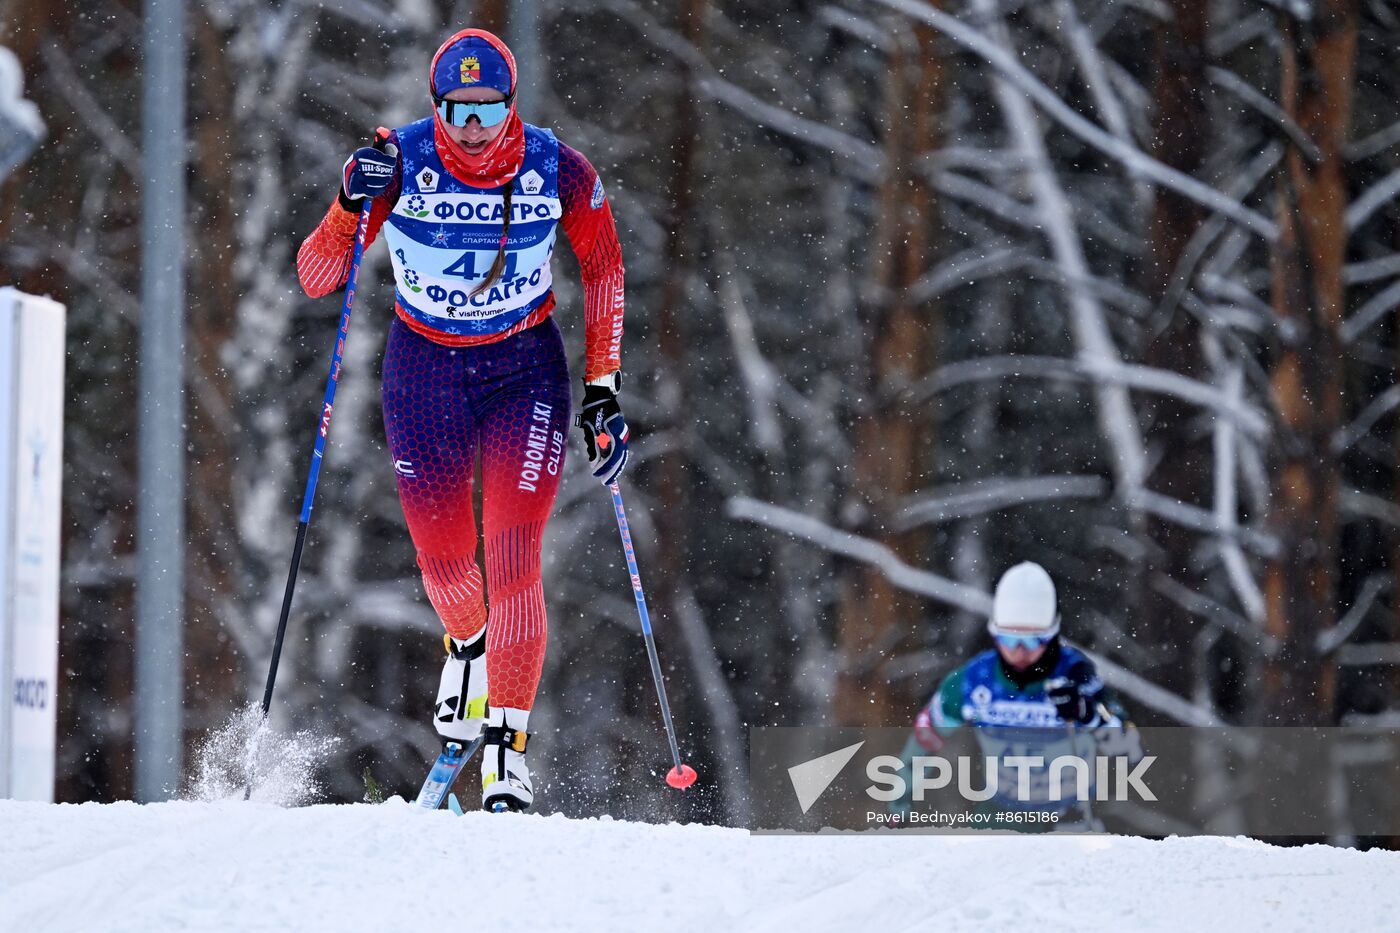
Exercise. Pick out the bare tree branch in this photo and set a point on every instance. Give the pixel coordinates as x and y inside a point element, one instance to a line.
<point>1372,199</point>
<point>1227,505</point>
<point>1331,639</point>
<point>109,135</point>
<point>862,549</point>
<point>1133,158</point>
<point>1106,99</point>
<point>1369,270</point>
<point>990,495</point>
<point>1151,695</point>
<point>1367,505</point>
<point>864,156</point>
<point>1375,410</point>
<point>1377,307</point>
<point>1199,519</point>
<point>727,724</point>
<point>1229,81</point>
<point>760,378</point>
<point>1378,142</point>
<point>1094,344</point>
<point>1144,378</point>
<point>1201,605</point>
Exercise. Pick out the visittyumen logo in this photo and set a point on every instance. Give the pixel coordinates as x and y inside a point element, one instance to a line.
<point>471,69</point>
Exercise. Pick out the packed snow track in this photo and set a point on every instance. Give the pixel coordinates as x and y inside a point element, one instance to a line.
<point>245,867</point>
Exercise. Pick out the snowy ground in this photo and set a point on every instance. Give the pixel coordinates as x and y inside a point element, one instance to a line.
<point>237,866</point>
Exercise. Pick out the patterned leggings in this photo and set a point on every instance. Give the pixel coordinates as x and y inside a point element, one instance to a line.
<point>510,401</point>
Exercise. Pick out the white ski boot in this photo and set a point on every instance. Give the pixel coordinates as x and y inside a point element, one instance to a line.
<point>461,698</point>
<point>505,780</point>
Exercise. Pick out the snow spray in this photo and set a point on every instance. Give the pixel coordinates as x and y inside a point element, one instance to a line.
<point>247,754</point>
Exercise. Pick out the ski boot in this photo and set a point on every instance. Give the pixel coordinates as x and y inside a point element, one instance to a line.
<point>461,698</point>
<point>505,780</point>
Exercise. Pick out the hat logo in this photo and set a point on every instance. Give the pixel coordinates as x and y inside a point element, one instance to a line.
<point>471,70</point>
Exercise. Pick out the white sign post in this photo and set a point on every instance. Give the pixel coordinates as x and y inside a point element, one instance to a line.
<point>31,478</point>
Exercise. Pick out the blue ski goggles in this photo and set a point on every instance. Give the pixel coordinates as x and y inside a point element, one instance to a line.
<point>1009,641</point>
<point>458,112</point>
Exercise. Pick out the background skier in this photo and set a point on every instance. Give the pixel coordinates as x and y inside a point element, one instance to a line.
<point>1033,694</point>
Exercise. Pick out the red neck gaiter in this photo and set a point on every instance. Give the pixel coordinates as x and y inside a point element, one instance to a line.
<point>500,161</point>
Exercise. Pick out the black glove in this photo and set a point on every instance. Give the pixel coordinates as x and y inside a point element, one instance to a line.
<point>1071,702</point>
<point>368,171</point>
<point>604,431</point>
<point>1117,739</point>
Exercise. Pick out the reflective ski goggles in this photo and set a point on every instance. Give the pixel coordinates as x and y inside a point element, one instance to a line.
<point>457,112</point>
<point>1009,641</point>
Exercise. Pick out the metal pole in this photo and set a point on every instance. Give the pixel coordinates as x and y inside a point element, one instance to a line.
<point>160,584</point>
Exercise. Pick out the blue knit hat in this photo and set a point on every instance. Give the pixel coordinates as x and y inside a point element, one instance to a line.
<point>471,61</point>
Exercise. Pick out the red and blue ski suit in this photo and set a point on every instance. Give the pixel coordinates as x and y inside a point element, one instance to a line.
<point>483,374</point>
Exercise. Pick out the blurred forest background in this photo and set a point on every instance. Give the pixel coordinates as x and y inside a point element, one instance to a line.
<point>915,291</point>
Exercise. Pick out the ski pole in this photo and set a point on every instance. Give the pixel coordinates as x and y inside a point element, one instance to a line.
<point>682,775</point>
<point>318,451</point>
<point>1086,806</point>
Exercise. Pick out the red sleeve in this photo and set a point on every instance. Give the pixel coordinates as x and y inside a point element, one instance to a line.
<point>588,223</point>
<point>323,262</point>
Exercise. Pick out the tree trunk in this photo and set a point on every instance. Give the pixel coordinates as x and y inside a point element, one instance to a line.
<point>1183,471</point>
<point>674,470</point>
<point>671,315</point>
<point>892,434</point>
<point>1299,685</point>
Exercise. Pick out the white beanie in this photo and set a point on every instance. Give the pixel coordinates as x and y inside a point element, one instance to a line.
<point>1025,603</point>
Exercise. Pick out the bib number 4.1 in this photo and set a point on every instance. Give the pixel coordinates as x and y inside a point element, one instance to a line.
<point>465,267</point>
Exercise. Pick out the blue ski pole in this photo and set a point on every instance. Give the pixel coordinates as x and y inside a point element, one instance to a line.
<point>318,452</point>
<point>682,775</point>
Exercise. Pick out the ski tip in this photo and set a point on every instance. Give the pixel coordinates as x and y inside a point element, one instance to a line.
<point>681,778</point>
<point>454,804</point>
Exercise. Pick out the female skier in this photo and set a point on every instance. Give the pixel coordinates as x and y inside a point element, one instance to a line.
<point>469,200</point>
<point>1035,696</point>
